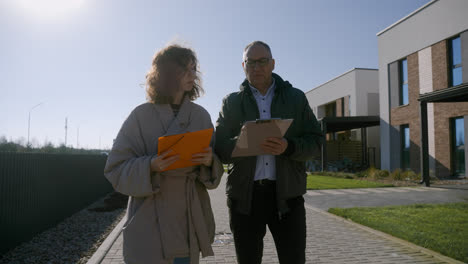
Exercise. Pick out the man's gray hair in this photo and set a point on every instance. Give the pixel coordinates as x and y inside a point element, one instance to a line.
<point>257,42</point>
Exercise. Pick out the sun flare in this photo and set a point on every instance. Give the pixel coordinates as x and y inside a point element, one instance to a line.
<point>50,9</point>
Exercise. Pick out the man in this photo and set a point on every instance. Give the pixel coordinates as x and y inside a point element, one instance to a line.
<point>267,189</point>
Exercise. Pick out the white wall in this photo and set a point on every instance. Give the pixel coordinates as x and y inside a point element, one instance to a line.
<point>437,21</point>
<point>338,87</point>
<point>367,82</point>
<point>356,83</point>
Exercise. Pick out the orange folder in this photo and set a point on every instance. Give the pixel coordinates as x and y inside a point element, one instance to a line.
<point>185,145</point>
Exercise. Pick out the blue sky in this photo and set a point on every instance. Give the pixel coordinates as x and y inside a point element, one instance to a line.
<point>85,61</point>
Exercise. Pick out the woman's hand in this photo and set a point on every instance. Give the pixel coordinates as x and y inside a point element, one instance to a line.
<point>205,158</point>
<point>161,162</point>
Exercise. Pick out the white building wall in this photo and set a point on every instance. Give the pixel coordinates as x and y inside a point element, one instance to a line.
<point>341,86</point>
<point>362,87</point>
<point>367,82</point>
<point>437,20</point>
<point>357,84</point>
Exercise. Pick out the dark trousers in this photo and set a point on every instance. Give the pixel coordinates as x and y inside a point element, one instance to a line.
<point>289,231</point>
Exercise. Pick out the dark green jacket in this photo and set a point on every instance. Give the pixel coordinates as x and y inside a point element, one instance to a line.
<point>304,138</point>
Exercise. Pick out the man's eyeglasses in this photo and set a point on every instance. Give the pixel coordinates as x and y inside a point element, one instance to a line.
<point>261,62</point>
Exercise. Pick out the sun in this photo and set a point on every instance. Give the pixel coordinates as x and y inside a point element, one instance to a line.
<point>50,9</point>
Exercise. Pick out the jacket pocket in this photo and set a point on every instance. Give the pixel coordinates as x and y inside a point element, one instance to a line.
<point>292,178</point>
<point>238,179</point>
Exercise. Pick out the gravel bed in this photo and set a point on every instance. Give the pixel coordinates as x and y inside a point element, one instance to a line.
<point>73,240</point>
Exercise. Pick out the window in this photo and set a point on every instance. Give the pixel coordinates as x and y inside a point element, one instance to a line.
<point>403,66</point>
<point>405,147</point>
<point>342,107</point>
<point>455,66</point>
<point>330,109</point>
<point>457,127</point>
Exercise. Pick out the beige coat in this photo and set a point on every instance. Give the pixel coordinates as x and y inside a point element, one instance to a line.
<point>169,214</point>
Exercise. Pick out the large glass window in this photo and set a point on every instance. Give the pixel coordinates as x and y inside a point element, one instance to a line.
<point>458,145</point>
<point>405,147</point>
<point>403,65</point>
<point>455,61</point>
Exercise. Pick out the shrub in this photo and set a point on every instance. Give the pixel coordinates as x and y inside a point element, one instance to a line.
<point>361,174</point>
<point>372,173</point>
<point>335,174</point>
<point>397,175</point>
<point>383,174</point>
<point>410,175</point>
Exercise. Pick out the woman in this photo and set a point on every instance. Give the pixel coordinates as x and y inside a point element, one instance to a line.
<point>169,217</point>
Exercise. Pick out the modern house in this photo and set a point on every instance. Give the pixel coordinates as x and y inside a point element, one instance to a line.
<point>354,93</point>
<point>423,72</point>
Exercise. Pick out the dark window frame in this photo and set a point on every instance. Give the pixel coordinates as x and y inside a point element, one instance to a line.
<point>331,107</point>
<point>403,149</point>
<point>451,66</point>
<point>342,106</point>
<point>402,82</point>
<point>453,144</point>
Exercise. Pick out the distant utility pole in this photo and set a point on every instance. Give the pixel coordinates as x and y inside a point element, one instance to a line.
<point>66,127</point>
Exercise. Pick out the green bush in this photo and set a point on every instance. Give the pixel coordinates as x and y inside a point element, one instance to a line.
<point>410,175</point>
<point>335,174</point>
<point>397,175</point>
<point>373,173</point>
<point>361,174</point>
<point>384,174</point>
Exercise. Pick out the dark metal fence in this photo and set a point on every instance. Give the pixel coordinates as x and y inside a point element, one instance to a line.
<point>39,190</point>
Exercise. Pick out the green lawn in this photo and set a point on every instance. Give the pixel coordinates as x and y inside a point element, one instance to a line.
<point>317,182</point>
<point>441,228</point>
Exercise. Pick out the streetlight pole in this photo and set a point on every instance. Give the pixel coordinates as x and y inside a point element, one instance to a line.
<point>29,120</point>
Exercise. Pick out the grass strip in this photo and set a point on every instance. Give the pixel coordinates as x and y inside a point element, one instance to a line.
<point>318,182</point>
<point>440,227</point>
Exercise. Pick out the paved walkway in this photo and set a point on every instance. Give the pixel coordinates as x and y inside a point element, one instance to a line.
<point>330,239</point>
<point>325,199</point>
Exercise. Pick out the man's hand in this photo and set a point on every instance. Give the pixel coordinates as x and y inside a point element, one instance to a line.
<point>274,145</point>
<point>161,162</point>
<point>205,158</point>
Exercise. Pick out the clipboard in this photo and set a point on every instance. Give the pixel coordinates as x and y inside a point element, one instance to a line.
<point>254,132</point>
<point>185,145</point>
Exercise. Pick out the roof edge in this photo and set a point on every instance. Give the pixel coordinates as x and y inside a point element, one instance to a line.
<point>441,94</point>
<point>406,17</point>
<point>348,71</point>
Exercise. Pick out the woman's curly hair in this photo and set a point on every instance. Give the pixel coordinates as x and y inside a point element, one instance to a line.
<point>181,57</point>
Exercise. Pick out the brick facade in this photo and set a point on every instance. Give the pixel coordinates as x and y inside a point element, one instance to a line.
<point>409,114</point>
<point>443,112</point>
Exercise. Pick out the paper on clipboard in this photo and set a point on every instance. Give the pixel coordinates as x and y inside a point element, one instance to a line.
<point>185,145</point>
<point>254,132</point>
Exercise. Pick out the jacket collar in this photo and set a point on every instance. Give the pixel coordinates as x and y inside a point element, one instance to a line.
<point>279,82</point>
<point>175,124</point>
